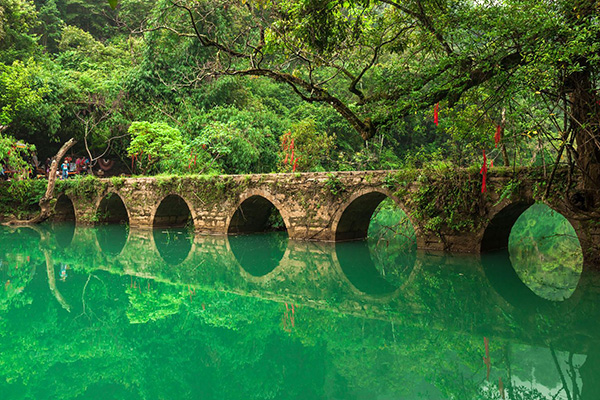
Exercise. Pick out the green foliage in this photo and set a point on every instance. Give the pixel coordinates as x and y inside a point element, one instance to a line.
<point>310,151</point>
<point>51,25</point>
<point>81,186</point>
<point>17,19</point>
<point>334,185</point>
<point>19,91</point>
<point>21,197</point>
<point>117,182</point>
<point>238,141</point>
<point>80,73</point>
<point>154,145</point>
<point>445,200</point>
<point>14,156</point>
<point>512,187</point>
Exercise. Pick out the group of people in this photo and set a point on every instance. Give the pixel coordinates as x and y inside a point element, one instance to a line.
<point>80,165</point>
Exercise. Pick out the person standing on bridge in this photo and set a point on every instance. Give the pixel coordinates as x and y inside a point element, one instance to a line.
<point>65,169</point>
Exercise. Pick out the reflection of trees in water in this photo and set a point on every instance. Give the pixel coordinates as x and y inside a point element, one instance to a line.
<point>545,252</point>
<point>19,251</point>
<point>214,336</point>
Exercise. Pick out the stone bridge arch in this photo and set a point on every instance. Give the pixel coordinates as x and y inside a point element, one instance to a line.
<point>64,210</point>
<point>351,220</point>
<point>494,252</point>
<point>111,208</point>
<point>502,218</point>
<point>172,211</point>
<point>252,211</point>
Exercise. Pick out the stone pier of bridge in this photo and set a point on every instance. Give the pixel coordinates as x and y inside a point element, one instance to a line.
<point>448,210</point>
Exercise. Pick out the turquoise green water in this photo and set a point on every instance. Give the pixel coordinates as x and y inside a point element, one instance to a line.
<point>115,313</point>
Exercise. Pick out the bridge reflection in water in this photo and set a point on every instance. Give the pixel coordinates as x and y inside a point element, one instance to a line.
<point>202,318</point>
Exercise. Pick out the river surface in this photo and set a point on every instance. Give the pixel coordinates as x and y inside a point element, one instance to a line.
<point>113,313</point>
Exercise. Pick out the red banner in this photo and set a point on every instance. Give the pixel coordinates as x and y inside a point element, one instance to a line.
<point>483,172</point>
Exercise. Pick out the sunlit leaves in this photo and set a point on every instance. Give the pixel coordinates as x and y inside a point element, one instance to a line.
<point>20,89</point>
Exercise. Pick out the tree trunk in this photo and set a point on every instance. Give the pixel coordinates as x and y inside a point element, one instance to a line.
<point>585,110</point>
<point>52,282</point>
<point>584,119</point>
<point>46,206</point>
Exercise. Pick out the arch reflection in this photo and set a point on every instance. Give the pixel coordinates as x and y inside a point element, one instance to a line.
<point>63,233</point>
<point>259,254</point>
<point>173,244</point>
<point>112,238</point>
<point>357,264</point>
<point>545,253</point>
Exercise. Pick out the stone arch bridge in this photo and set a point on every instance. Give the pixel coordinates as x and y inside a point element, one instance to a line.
<point>447,209</point>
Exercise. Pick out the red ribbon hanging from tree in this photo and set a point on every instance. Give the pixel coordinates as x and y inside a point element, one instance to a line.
<point>295,165</point>
<point>436,109</point>
<point>486,359</point>
<point>285,139</point>
<point>483,172</point>
<point>498,135</point>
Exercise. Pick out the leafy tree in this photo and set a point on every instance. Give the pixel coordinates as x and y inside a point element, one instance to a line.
<point>17,18</point>
<point>15,155</point>
<point>50,26</point>
<point>19,91</point>
<point>305,149</point>
<point>239,140</point>
<point>153,144</point>
<point>379,61</point>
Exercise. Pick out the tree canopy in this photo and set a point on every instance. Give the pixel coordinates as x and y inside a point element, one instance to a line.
<point>390,84</point>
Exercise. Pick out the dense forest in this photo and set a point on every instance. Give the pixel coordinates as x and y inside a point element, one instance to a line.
<point>239,86</point>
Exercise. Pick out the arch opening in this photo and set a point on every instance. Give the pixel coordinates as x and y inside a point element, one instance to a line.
<point>256,214</point>
<point>173,233</point>
<point>173,212</point>
<point>355,222</point>
<point>258,255</point>
<point>384,261</point>
<point>112,210</point>
<point>64,210</point>
<point>63,221</point>
<point>532,255</point>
